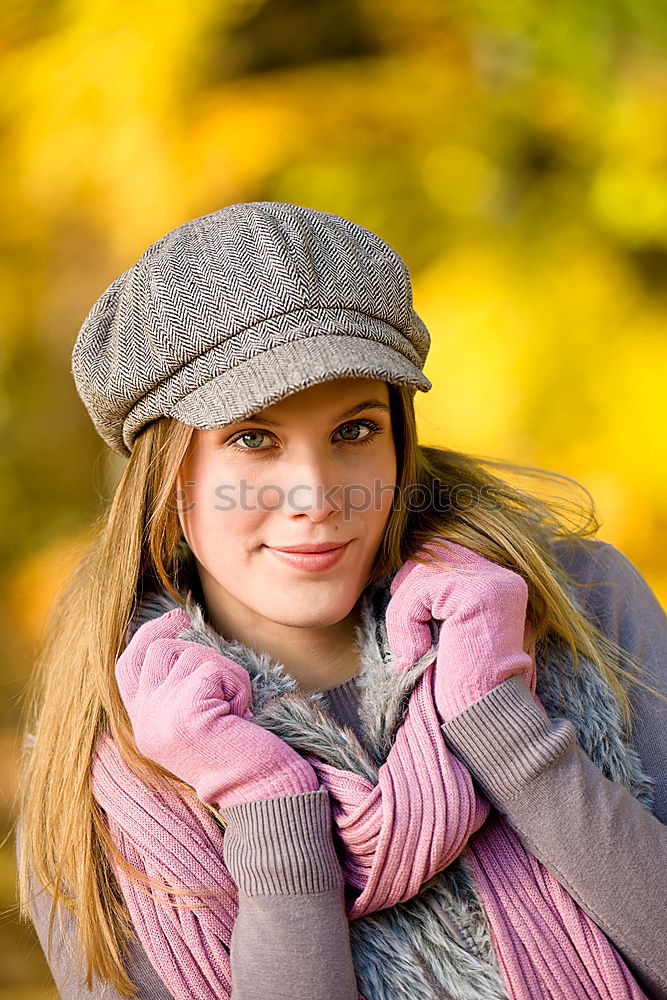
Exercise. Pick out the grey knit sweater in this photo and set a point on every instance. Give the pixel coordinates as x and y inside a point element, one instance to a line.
<point>606,849</point>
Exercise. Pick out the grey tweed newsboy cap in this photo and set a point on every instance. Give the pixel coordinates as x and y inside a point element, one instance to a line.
<point>231,312</point>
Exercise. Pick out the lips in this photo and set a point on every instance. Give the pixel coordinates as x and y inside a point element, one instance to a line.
<point>311,557</point>
<point>309,547</point>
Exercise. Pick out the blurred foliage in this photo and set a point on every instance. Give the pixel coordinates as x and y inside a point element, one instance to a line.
<point>515,153</point>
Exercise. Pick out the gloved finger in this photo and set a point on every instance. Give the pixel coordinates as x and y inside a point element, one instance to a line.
<point>165,656</point>
<point>220,676</point>
<point>408,632</point>
<point>455,554</point>
<point>413,574</point>
<point>200,692</point>
<point>161,659</point>
<point>129,664</point>
<point>402,574</point>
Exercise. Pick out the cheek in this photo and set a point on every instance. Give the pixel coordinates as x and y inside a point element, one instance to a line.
<point>376,479</point>
<point>217,519</point>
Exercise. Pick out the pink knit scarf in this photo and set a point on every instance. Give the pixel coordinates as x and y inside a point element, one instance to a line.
<point>424,807</point>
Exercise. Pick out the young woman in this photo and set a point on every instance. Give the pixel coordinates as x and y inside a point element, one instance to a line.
<point>323,712</point>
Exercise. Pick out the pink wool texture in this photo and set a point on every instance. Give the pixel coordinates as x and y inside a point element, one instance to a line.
<point>190,712</point>
<point>483,637</point>
<point>424,806</point>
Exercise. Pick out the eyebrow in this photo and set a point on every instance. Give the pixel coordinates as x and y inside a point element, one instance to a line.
<point>366,404</point>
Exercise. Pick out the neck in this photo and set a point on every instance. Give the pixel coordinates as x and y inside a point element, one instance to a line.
<point>318,658</point>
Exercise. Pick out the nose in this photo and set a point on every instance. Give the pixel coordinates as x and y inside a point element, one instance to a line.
<point>312,492</point>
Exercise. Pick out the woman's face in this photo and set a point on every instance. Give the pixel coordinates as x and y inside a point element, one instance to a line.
<point>317,469</point>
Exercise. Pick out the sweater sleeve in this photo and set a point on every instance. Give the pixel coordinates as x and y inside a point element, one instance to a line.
<point>624,606</point>
<point>290,939</point>
<point>291,935</point>
<point>599,842</point>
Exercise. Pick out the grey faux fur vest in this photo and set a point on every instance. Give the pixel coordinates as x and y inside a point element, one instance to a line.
<point>437,945</point>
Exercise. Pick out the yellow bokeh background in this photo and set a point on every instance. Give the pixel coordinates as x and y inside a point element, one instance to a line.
<point>514,153</point>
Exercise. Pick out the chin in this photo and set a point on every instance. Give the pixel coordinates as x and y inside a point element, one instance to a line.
<point>309,615</point>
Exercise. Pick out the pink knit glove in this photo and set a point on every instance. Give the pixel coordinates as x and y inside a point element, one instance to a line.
<point>483,631</point>
<point>189,709</point>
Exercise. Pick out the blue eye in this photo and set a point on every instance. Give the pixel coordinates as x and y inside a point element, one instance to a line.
<point>356,426</point>
<point>247,438</point>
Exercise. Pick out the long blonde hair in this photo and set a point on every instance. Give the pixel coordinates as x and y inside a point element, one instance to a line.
<point>72,694</point>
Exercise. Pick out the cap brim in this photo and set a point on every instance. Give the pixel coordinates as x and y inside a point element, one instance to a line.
<point>275,374</point>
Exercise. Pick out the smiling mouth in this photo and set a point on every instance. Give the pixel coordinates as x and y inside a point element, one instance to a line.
<point>311,559</point>
<point>309,547</point>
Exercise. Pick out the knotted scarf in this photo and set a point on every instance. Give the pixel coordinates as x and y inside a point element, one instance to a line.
<point>418,804</point>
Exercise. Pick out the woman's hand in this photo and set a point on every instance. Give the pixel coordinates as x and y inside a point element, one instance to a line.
<point>483,633</point>
<point>189,707</point>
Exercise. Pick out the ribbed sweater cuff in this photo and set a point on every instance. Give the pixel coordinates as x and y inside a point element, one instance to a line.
<point>282,845</point>
<point>505,740</point>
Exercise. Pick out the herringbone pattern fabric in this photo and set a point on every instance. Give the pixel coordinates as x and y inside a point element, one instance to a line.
<point>234,311</point>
